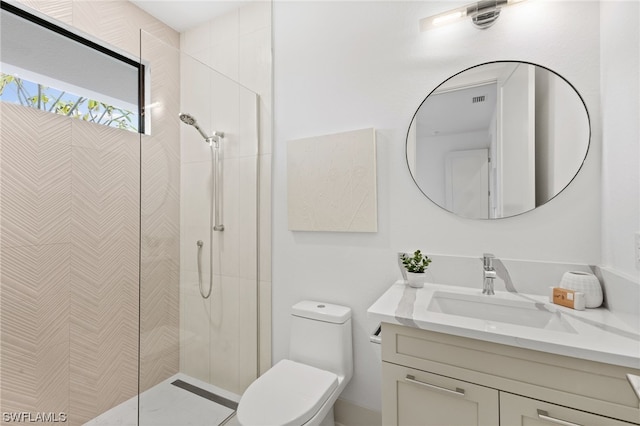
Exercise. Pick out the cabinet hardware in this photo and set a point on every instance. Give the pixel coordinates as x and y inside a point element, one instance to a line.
<point>412,379</point>
<point>543,415</point>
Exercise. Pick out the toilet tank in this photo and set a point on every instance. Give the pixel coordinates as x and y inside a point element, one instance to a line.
<point>321,337</point>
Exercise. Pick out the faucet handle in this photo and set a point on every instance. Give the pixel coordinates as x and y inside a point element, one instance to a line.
<point>487,259</point>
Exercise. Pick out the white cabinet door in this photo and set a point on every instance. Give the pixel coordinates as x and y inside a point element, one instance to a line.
<point>520,411</point>
<point>416,398</point>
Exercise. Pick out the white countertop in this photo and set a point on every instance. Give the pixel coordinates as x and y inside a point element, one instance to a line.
<point>592,334</point>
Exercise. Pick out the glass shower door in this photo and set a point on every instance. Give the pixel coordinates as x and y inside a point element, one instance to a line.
<point>198,286</point>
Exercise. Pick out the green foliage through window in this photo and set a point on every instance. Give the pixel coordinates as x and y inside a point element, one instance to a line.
<point>20,91</point>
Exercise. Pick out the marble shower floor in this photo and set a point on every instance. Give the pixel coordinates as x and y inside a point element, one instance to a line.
<point>168,405</point>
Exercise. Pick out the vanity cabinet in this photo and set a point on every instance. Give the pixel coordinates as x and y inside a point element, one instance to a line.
<point>441,379</point>
<point>516,410</point>
<point>415,397</point>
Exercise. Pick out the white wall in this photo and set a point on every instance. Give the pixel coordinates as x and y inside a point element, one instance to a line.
<point>347,65</point>
<point>620,52</point>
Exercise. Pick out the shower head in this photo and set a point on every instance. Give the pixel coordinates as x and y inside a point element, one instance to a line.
<point>187,119</point>
<point>191,121</point>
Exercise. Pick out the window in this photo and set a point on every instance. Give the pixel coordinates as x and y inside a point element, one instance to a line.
<point>50,68</point>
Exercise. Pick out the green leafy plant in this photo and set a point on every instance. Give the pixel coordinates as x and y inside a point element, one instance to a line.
<point>416,263</point>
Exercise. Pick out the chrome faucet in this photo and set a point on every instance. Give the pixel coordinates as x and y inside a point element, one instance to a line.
<point>488,274</point>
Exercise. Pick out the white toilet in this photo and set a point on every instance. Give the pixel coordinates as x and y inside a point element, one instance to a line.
<point>301,390</point>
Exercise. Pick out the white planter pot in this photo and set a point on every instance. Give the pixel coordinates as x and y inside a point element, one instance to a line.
<point>415,280</point>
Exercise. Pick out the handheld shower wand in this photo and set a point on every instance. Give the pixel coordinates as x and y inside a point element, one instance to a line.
<point>216,175</point>
<point>191,121</point>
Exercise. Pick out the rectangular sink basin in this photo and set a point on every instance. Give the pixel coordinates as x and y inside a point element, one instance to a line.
<point>495,308</point>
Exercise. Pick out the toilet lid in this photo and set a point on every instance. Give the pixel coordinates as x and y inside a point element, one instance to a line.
<point>289,393</point>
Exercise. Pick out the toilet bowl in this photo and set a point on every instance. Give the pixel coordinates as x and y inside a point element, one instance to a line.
<point>302,389</point>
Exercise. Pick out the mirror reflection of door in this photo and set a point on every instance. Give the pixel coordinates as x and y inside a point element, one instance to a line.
<point>455,135</point>
<point>467,183</point>
<point>532,124</point>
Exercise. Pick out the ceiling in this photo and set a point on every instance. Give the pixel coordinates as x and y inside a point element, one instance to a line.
<point>183,15</point>
<point>455,112</point>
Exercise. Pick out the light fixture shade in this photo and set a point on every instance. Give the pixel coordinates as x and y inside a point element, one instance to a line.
<point>444,18</point>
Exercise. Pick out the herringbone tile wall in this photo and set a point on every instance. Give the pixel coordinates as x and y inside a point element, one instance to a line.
<point>69,242</point>
<point>160,219</point>
<point>104,269</point>
<point>69,239</point>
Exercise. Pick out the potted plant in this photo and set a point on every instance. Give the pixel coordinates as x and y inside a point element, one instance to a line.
<point>415,266</point>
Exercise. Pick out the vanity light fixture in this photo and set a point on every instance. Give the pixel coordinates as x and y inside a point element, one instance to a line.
<point>483,14</point>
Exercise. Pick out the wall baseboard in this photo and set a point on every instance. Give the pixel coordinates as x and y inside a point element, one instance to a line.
<point>347,413</point>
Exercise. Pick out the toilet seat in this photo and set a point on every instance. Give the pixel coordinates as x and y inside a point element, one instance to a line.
<point>288,394</point>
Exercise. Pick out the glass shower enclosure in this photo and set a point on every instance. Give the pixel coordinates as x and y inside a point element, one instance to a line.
<point>119,301</point>
<point>199,240</point>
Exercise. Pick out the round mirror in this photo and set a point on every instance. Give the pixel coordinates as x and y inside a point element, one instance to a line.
<point>498,139</point>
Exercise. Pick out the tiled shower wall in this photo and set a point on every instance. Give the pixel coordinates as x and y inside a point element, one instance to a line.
<point>70,264</point>
<point>238,45</point>
<point>219,334</point>
<point>69,228</point>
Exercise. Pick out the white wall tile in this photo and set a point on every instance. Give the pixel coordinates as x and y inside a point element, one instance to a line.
<point>193,148</point>
<point>265,219</point>
<point>224,27</point>
<point>254,16</point>
<point>189,284</point>
<point>232,110</point>
<point>226,244</point>
<point>248,218</point>
<point>194,339</point>
<point>224,329</point>
<point>189,250</point>
<point>266,125</point>
<point>255,60</point>
<point>248,123</point>
<point>196,40</point>
<point>195,193</point>
<point>224,57</point>
<point>194,87</point>
<point>225,112</point>
<point>265,325</point>
<point>247,333</point>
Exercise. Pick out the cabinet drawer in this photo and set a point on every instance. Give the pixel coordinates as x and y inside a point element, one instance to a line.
<point>517,410</point>
<point>414,397</point>
<point>585,385</point>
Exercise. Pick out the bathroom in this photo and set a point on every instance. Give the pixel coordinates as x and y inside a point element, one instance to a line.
<point>322,68</point>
